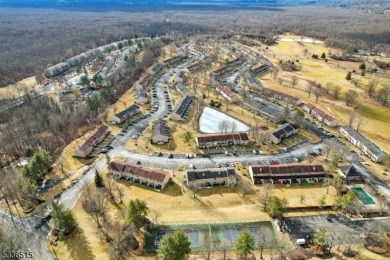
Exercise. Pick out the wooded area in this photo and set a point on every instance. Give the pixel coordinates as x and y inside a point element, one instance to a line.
<point>33,39</point>
<point>42,124</point>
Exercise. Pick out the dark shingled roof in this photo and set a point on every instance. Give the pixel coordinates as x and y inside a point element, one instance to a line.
<point>284,129</point>
<point>350,171</point>
<point>279,133</point>
<point>123,113</point>
<point>287,168</point>
<point>183,106</point>
<point>210,174</point>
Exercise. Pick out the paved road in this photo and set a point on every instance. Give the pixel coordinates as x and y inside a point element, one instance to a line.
<point>36,238</point>
<point>30,239</point>
<point>341,228</point>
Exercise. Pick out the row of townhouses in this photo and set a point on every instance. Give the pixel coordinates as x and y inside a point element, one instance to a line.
<point>281,96</point>
<point>227,94</point>
<point>222,140</point>
<point>211,177</point>
<point>154,178</point>
<point>288,173</point>
<point>160,133</point>
<point>182,109</point>
<point>120,117</point>
<point>374,152</point>
<point>320,115</point>
<point>87,145</point>
<point>281,133</point>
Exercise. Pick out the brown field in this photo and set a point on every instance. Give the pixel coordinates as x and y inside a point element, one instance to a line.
<point>376,117</point>
<point>179,206</point>
<point>19,87</point>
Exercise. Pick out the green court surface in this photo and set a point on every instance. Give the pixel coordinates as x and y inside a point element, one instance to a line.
<point>221,234</point>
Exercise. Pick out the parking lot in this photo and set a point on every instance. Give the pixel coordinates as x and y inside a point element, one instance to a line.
<point>339,227</point>
<point>319,131</point>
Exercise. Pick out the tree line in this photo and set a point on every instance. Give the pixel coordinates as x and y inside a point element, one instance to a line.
<point>41,123</point>
<point>31,42</point>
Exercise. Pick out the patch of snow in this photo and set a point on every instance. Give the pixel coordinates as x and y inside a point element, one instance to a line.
<point>210,118</point>
<point>305,40</point>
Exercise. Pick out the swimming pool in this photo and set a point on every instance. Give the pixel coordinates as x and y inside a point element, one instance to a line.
<point>363,196</point>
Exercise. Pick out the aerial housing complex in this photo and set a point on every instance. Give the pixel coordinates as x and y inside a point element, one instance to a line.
<point>288,173</point>
<point>370,149</point>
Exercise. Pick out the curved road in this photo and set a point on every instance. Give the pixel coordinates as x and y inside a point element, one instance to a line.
<point>35,238</point>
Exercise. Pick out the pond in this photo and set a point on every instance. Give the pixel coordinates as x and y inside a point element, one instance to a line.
<point>210,119</point>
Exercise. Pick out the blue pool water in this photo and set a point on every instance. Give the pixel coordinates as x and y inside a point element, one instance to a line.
<point>363,196</point>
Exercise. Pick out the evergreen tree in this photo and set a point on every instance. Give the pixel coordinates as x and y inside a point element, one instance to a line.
<point>323,56</point>
<point>84,81</point>
<point>322,202</point>
<point>174,246</point>
<point>319,238</point>
<point>362,66</point>
<point>349,76</point>
<point>136,212</point>
<point>38,166</point>
<point>276,206</point>
<point>63,219</point>
<point>98,180</point>
<point>244,244</point>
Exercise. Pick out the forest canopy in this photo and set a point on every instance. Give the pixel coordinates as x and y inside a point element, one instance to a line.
<point>32,39</point>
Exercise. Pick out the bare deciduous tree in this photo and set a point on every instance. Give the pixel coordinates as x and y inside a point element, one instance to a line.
<point>371,86</point>
<point>265,194</point>
<point>350,97</point>
<point>335,90</point>
<point>122,240</point>
<point>94,202</point>
<point>317,94</point>
<point>294,81</point>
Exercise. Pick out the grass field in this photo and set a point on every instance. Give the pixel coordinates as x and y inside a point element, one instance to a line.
<point>14,89</point>
<point>376,118</point>
<point>216,205</point>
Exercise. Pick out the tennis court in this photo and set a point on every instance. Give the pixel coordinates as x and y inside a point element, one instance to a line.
<point>223,233</point>
<point>193,235</point>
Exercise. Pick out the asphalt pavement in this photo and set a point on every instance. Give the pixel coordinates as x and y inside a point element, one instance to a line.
<point>340,228</point>
<point>35,238</point>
